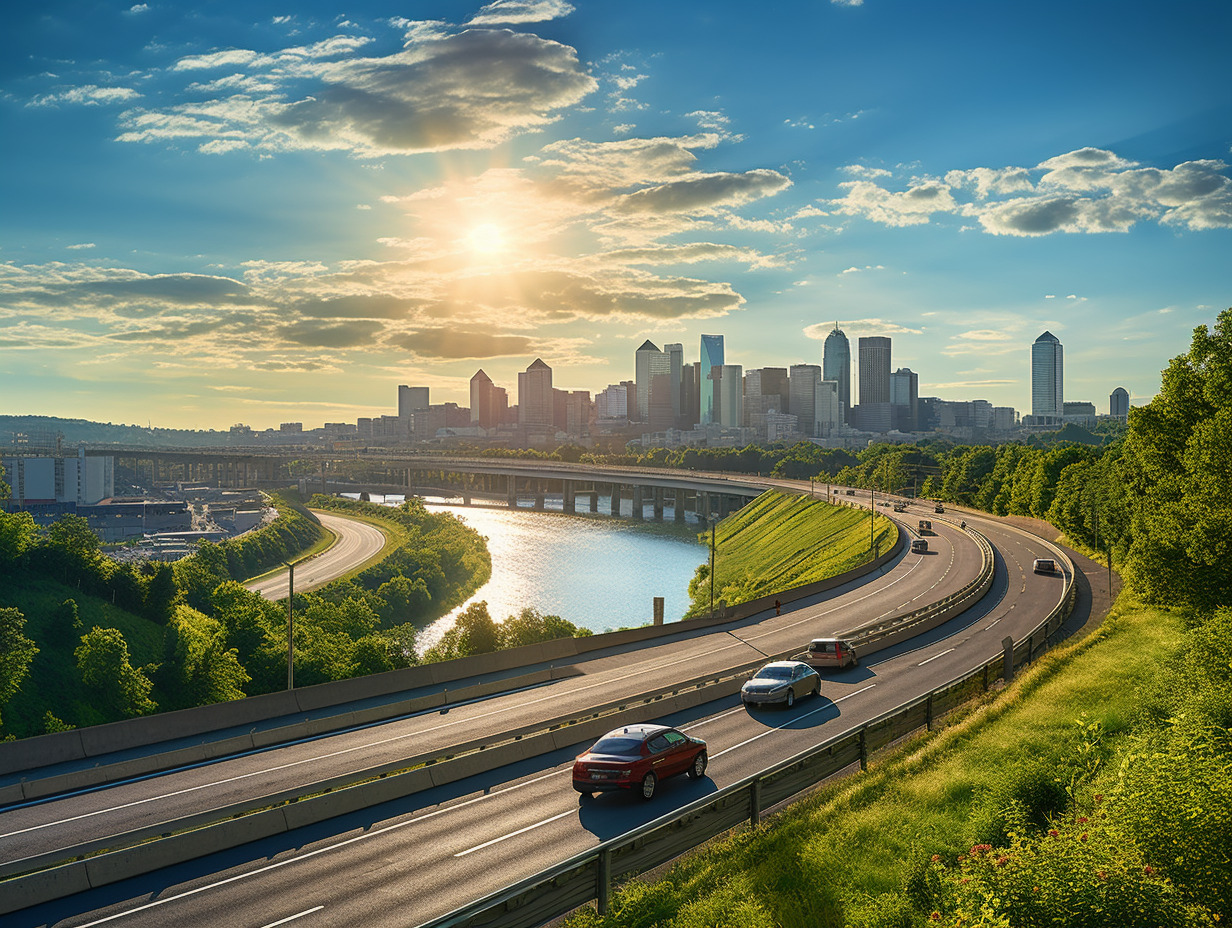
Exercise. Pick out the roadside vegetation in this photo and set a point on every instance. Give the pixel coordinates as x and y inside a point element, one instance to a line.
<point>780,541</point>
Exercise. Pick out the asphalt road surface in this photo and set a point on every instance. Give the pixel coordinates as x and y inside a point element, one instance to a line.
<point>408,861</point>
<point>358,542</point>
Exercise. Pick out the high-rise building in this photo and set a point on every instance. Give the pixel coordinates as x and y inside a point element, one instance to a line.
<point>612,402</point>
<point>729,389</point>
<point>802,388</point>
<point>650,363</point>
<point>905,400</point>
<point>827,408</point>
<point>411,399</point>
<point>489,403</point>
<point>836,365</point>
<point>1047,377</point>
<point>536,402</point>
<point>1118,404</point>
<point>675,358</point>
<point>712,356</point>
<point>874,369</point>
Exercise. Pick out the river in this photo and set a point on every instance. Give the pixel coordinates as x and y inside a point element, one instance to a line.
<point>596,571</point>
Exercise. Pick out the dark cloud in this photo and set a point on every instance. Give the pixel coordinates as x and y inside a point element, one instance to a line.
<point>325,335</point>
<point>171,288</point>
<point>450,344</point>
<point>359,306</point>
<point>704,191</point>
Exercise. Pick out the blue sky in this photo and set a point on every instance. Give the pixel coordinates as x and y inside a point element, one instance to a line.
<point>266,212</point>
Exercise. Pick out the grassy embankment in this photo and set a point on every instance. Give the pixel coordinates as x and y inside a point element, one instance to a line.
<point>779,541</point>
<point>1034,760</point>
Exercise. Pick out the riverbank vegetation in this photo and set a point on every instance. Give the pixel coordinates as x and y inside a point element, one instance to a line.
<point>780,541</point>
<point>85,639</point>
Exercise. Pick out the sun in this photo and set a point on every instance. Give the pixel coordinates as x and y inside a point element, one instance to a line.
<point>486,237</point>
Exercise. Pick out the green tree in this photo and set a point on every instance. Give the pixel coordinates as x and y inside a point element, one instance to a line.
<point>102,659</point>
<point>18,534</point>
<point>473,632</point>
<point>1177,467</point>
<point>531,626</point>
<point>16,653</point>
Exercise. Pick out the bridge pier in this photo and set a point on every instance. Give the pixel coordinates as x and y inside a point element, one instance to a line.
<point>639,504</point>
<point>594,498</point>
<point>615,507</point>
<point>569,498</point>
<point>511,485</point>
<point>679,499</point>
<point>539,494</point>
<point>658,504</point>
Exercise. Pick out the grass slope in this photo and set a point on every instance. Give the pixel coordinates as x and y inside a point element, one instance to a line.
<point>780,541</point>
<point>850,853</point>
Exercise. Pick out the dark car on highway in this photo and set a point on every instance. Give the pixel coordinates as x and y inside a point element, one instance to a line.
<point>637,757</point>
<point>781,681</point>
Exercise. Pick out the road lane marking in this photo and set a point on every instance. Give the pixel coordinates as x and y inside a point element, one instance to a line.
<point>513,834</point>
<point>934,657</point>
<point>291,918</point>
<point>991,624</point>
<point>789,721</point>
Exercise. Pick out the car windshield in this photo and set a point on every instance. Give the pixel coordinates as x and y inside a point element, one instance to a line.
<point>774,673</point>
<point>617,746</point>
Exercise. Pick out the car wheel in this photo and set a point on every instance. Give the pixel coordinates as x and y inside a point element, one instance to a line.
<point>791,698</point>
<point>699,766</point>
<point>817,688</point>
<point>649,781</point>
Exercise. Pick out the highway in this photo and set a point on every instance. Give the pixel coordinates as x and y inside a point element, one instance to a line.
<point>358,542</point>
<point>443,847</point>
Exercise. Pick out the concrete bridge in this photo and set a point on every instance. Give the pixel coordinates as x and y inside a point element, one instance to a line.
<point>580,487</point>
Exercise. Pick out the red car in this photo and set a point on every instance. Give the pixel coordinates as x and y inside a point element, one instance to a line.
<point>637,757</point>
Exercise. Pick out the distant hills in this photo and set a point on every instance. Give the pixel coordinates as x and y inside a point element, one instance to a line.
<point>40,433</point>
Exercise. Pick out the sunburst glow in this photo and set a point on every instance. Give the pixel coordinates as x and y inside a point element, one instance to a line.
<point>487,238</point>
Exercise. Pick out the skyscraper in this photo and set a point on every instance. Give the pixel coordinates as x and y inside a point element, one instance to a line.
<point>1118,404</point>
<point>802,386</point>
<point>411,399</point>
<point>1047,377</point>
<point>487,401</point>
<point>836,365</point>
<point>675,358</point>
<point>712,356</point>
<point>874,369</point>
<point>730,386</point>
<point>536,402</point>
<point>905,399</point>
<point>650,362</point>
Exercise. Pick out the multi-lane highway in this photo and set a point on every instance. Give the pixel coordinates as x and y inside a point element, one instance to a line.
<point>438,849</point>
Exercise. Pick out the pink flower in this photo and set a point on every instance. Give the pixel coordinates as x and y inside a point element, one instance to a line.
<point>1053,833</point>
<point>1083,836</point>
<point>1149,870</point>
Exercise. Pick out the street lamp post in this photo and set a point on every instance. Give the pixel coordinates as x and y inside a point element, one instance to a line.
<point>290,625</point>
<point>712,524</point>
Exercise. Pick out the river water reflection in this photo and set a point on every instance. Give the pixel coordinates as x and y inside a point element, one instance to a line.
<point>595,571</point>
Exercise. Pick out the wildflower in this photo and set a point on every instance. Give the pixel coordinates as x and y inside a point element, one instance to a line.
<point>936,916</point>
<point>1082,820</point>
<point>1099,797</point>
<point>979,849</point>
<point>1148,870</point>
<point>1002,861</point>
<point>1053,833</point>
<point>1083,836</point>
<point>1102,875</point>
<point>936,858</point>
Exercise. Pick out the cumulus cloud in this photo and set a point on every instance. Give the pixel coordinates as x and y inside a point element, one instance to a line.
<point>453,344</point>
<point>1082,191</point>
<point>703,192</point>
<point>447,88</point>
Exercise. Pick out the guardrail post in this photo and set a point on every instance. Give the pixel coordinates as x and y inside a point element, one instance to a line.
<point>755,802</point>
<point>603,880</point>
<point>1007,667</point>
<point>928,712</point>
<point>987,668</point>
<point>863,748</point>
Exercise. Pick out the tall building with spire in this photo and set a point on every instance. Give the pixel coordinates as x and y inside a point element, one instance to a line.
<point>836,365</point>
<point>1047,377</point>
<point>536,402</point>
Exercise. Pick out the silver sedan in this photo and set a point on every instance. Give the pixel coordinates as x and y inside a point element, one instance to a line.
<point>781,682</point>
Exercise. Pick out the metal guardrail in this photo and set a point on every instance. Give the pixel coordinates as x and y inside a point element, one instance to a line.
<point>589,875</point>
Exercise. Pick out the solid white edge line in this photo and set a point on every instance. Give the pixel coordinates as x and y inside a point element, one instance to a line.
<point>291,918</point>
<point>934,657</point>
<point>513,834</point>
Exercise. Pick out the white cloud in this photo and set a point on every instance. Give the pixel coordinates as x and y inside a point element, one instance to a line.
<point>87,95</point>
<point>521,11</point>
<point>138,8</point>
<point>1082,191</point>
<point>81,246</point>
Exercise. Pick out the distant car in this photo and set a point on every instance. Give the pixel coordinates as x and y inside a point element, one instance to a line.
<point>851,492</point>
<point>830,652</point>
<point>926,527</point>
<point>900,507</point>
<point>938,508</point>
<point>919,546</point>
<point>636,758</point>
<point>1044,565</point>
<point>781,682</point>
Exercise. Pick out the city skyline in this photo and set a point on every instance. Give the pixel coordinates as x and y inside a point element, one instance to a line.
<point>264,213</point>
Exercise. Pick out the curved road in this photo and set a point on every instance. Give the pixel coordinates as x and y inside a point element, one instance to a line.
<point>358,542</point>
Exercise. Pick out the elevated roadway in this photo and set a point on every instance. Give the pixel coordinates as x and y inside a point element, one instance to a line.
<point>407,862</point>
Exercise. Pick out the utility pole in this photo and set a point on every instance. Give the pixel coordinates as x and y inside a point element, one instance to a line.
<point>290,626</point>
